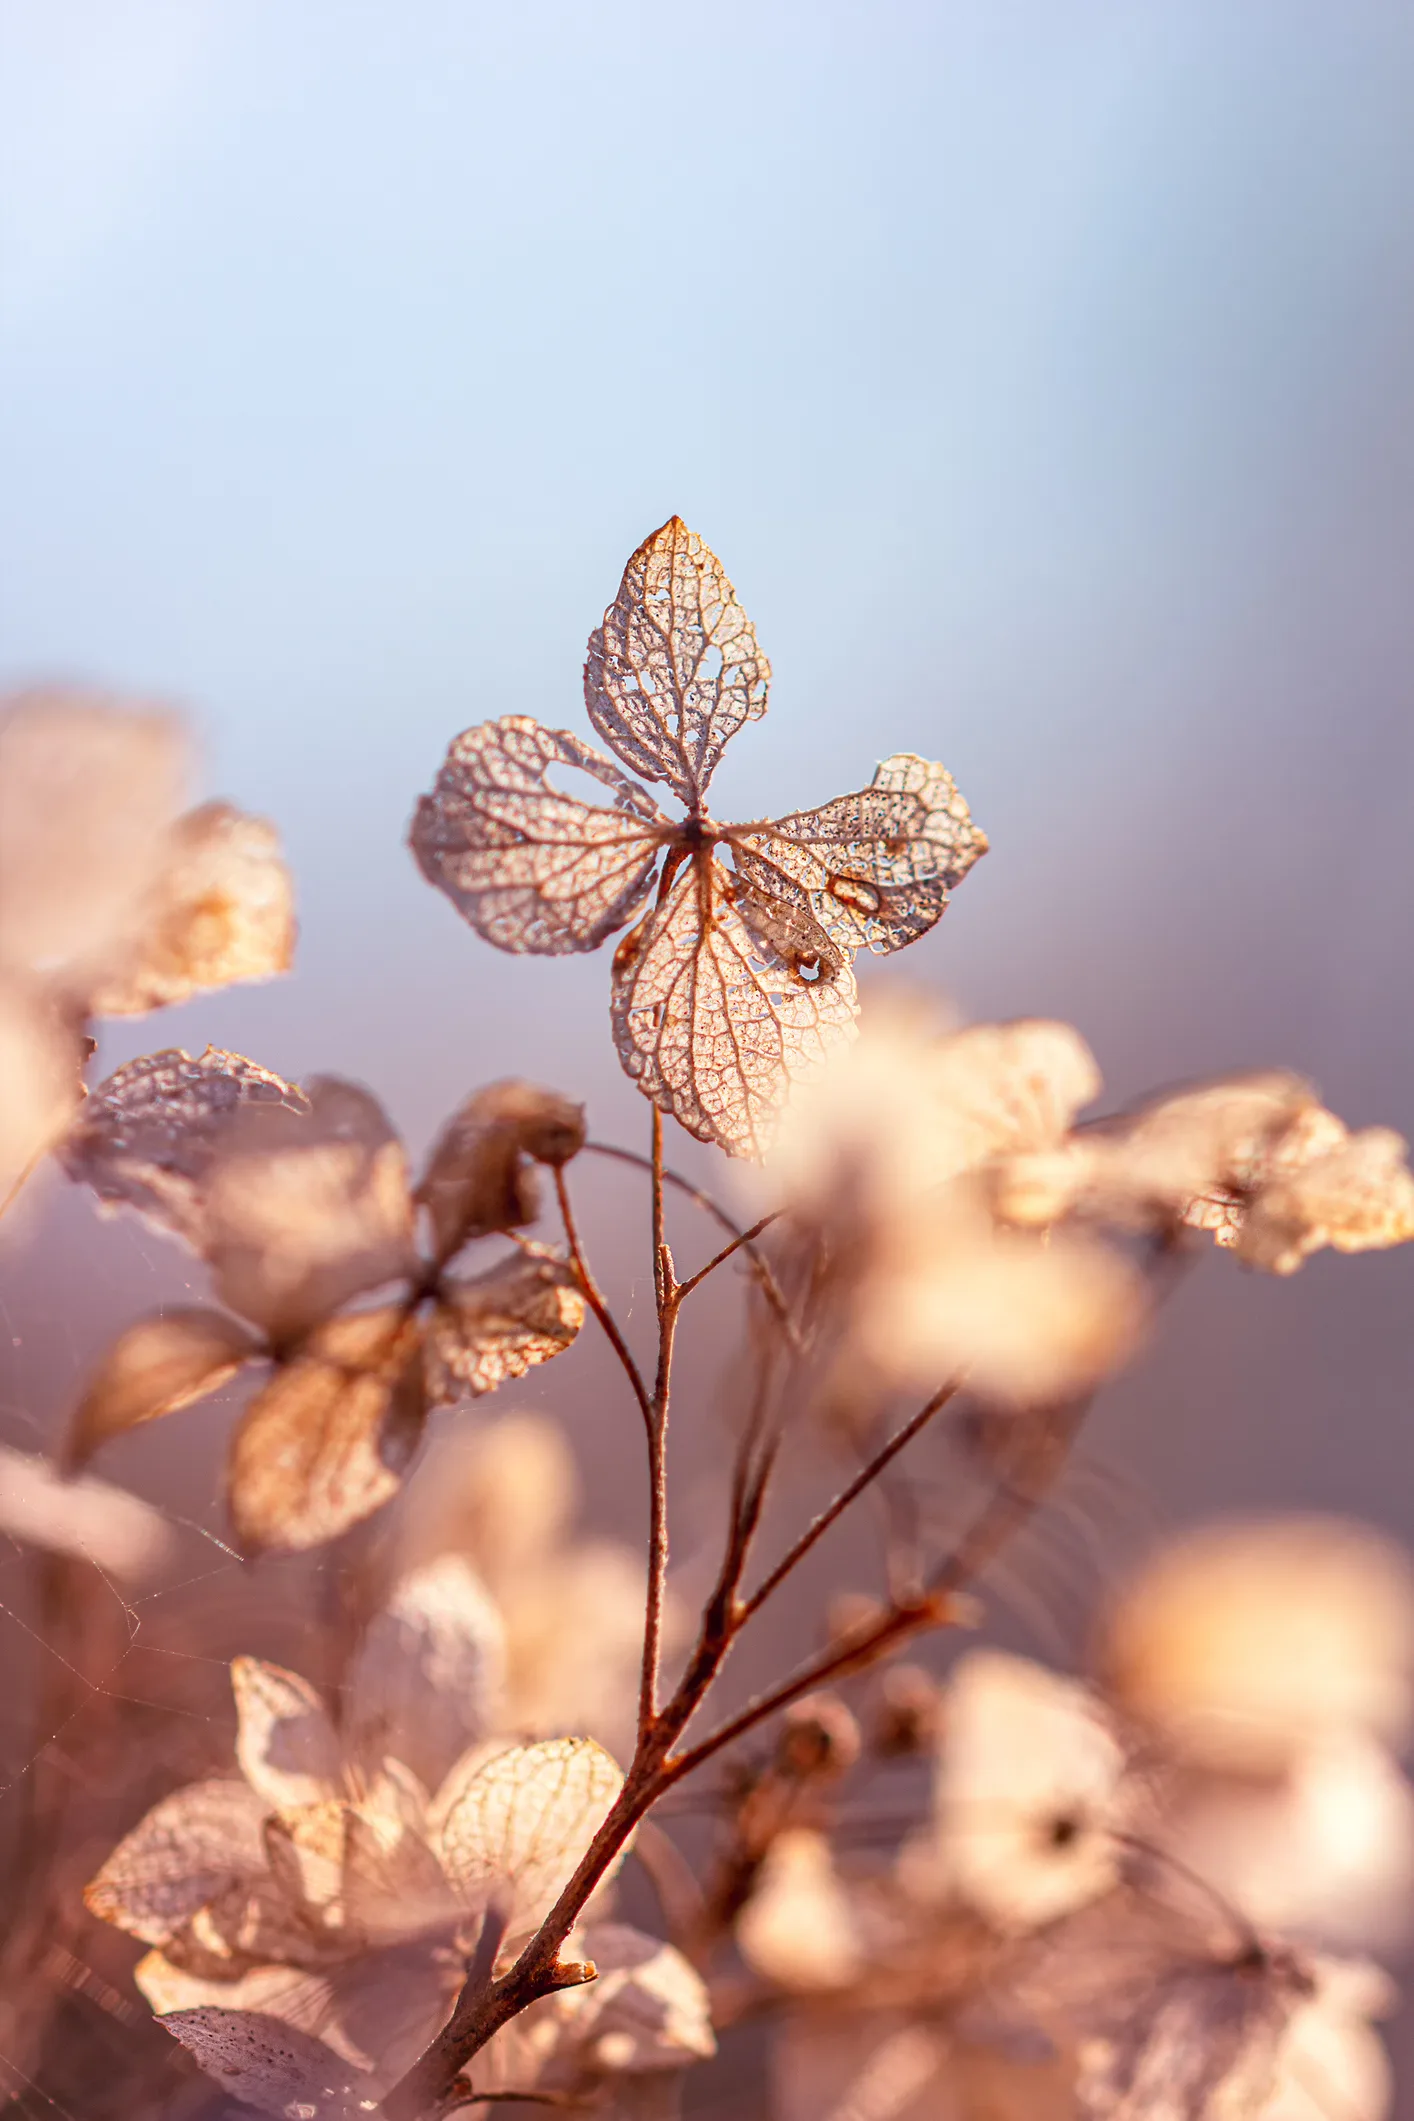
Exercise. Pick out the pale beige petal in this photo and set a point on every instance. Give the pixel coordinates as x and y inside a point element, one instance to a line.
<point>799,1928</point>
<point>1357,1198</point>
<point>306,1209</point>
<point>533,869</point>
<point>40,1081</point>
<point>520,1825</point>
<point>150,1136</point>
<point>492,1327</point>
<point>286,1744</point>
<point>479,1177</point>
<point>86,1517</point>
<point>221,913</point>
<point>327,1441</point>
<point>428,1677</point>
<point>189,1848</point>
<point>675,670</point>
<point>156,1366</point>
<point>712,1022</point>
<point>502,1493</point>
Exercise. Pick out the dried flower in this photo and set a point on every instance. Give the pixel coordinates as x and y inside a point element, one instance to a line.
<point>799,1929</point>
<point>738,981</point>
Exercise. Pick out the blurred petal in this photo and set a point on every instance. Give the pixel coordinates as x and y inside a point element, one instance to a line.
<point>86,1517</point>
<point>156,1366</point>
<point>40,1082</point>
<point>798,1929</point>
<point>1357,1198</point>
<point>286,1744</point>
<point>428,1676</point>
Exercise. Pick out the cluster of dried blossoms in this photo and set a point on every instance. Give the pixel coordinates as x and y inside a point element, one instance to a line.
<point>1131,1895</point>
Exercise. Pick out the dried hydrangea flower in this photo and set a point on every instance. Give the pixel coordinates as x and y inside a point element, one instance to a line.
<point>738,979</point>
<point>315,1915</point>
<point>111,903</point>
<point>1242,1643</point>
<point>1028,1795</point>
<point>301,1203</point>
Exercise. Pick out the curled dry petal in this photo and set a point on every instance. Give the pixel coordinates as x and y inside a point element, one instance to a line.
<point>306,1209</point>
<point>714,1019</point>
<point>478,1177</point>
<point>286,1744</point>
<point>495,1326</point>
<point>1358,1197</point>
<point>221,912</point>
<point>149,1137</point>
<point>428,1676</point>
<point>518,1826</point>
<point>530,868</point>
<point>88,790</point>
<point>88,1518</point>
<point>878,865</point>
<point>156,1366</point>
<point>329,1438</point>
<point>675,670</point>
<point>190,1848</point>
<point>272,2066</point>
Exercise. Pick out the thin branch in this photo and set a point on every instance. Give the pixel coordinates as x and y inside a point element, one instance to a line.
<point>836,1509</point>
<point>665,1296</point>
<point>594,1297</point>
<point>743,1238</point>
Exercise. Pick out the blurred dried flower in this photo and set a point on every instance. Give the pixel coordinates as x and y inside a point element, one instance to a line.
<point>1245,1642</point>
<point>480,1175</point>
<point>909,1716</point>
<point>799,1930</point>
<point>738,981</point>
<point>89,1518</point>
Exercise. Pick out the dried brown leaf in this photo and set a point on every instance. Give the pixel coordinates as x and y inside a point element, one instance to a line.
<point>530,868</point>
<point>711,1022</point>
<point>156,1366</point>
<point>878,865</point>
<point>221,912</point>
<point>306,1209</point>
<point>495,1326</point>
<point>192,1846</point>
<point>478,1177</point>
<point>285,1742</point>
<point>675,670</point>
<point>272,2066</point>
<point>328,1440</point>
<point>149,1137</point>
<point>520,1824</point>
<point>427,1679</point>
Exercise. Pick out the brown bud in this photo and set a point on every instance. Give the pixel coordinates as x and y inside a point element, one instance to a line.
<point>908,1714</point>
<point>819,1738</point>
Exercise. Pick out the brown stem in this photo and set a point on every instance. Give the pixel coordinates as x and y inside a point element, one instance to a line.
<point>594,1297</point>
<point>744,1238</point>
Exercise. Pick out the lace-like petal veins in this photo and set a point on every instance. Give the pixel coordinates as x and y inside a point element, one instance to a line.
<point>674,670</point>
<point>491,1328</point>
<point>519,1826</point>
<point>878,865</point>
<point>710,1022</point>
<point>286,1744</point>
<point>158,1365</point>
<point>272,2066</point>
<point>192,1846</point>
<point>429,1673</point>
<point>478,1177</point>
<point>305,1210</point>
<point>149,1137</point>
<point>221,914</point>
<point>530,868</point>
<point>328,1440</point>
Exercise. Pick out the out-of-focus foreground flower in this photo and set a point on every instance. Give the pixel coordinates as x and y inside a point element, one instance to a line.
<point>311,1920</point>
<point>112,900</point>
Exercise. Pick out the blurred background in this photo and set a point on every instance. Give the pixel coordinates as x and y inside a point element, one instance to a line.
<point>1044,376</point>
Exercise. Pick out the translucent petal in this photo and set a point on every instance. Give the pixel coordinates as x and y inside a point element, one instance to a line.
<point>646,2012</point>
<point>497,1325</point>
<point>285,1742</point>
<point>328,1440</point>
<point>530,868</point>
<point>518,1827</point>
<point>878,865</point>
<point>40,1080</point>
<point>674,670</point>
<point>156,1366</point>
<point>306,1209</point>
<point>149,1137</point>
<point>713,1026</point>
<point>478,1177</point>
<point>222,912</point>
<point>189,1848</point>
<point>272,2066</point>
<point>429,1673</point>
<point>88,1518</point>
